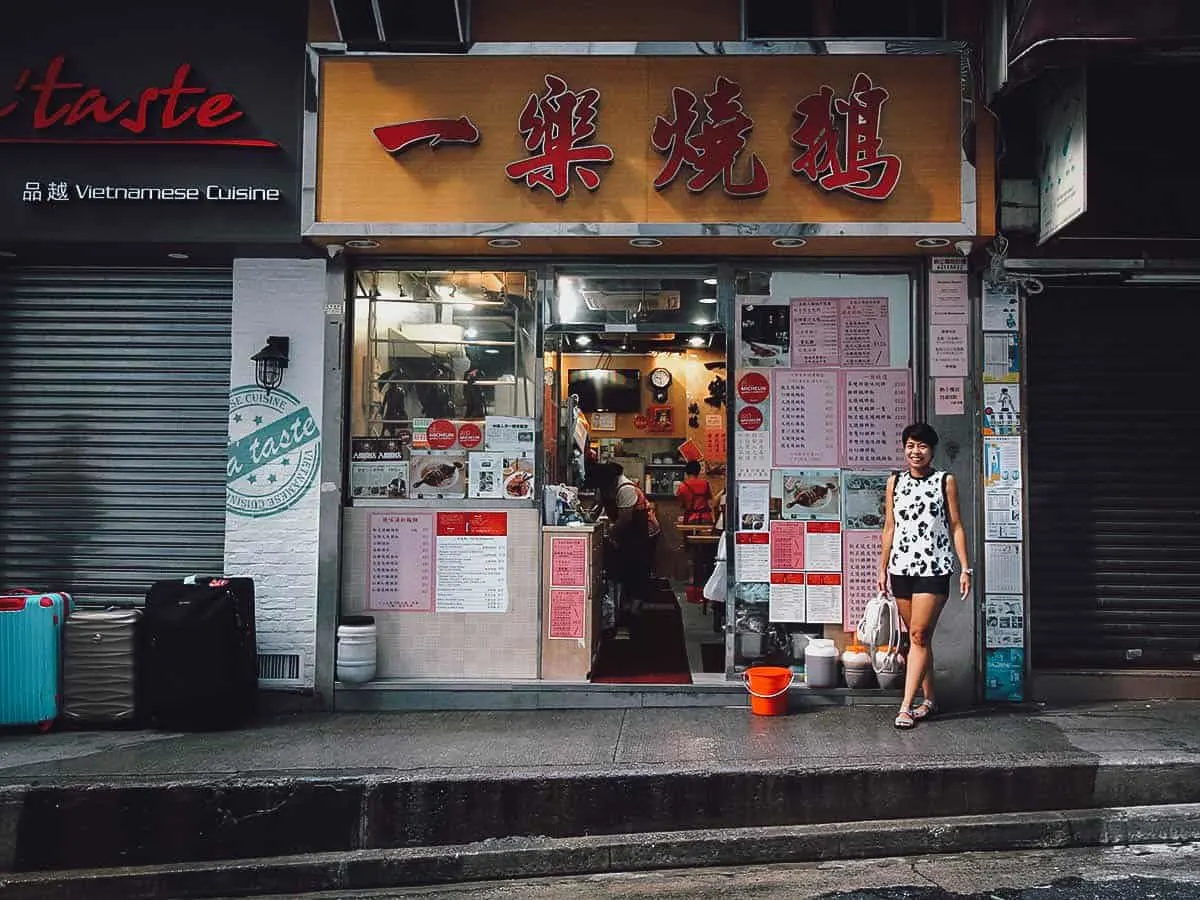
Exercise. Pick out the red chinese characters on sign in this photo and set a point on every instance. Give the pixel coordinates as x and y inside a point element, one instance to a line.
<point>557,126</point>
<point>708,140</point>
<point>856,166</point>
<point>399,137</point>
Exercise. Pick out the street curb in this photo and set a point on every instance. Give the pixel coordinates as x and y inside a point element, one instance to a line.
<point>533,857</point>
<point>90,826</point>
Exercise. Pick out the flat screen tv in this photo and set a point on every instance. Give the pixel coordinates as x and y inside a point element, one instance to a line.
<point>606,390</point>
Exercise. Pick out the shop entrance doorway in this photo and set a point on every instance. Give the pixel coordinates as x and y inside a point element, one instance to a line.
<point>637,409</point>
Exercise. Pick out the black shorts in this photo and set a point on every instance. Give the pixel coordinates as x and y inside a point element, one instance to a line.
<point>904,586</point>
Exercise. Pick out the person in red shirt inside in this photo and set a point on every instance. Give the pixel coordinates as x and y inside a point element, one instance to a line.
<point>696,495</point>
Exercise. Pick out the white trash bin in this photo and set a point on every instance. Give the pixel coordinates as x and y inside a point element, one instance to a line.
<point>356,641</point>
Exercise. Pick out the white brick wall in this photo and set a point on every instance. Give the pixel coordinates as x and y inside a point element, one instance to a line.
<point>281,297</point>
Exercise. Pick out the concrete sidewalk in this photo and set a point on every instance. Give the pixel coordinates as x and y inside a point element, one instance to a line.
<point>366,783</point>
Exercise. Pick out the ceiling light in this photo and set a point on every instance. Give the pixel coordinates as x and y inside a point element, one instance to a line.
<point>492,350</point>
<point>583,340</point>
<point>710,281</point>
<point>7,254</point>
<point>645,242</point>
<point>933,242</point>
<point>701,321</point>
<point>178,254</point>
<point>708,299</point>
<point>501,243</point>
<point>362,244</point>
<point>697,341</point>
<point>788,242</point>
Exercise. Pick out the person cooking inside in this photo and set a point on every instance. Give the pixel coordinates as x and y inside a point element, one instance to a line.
<point>695,493</point>
<point>634,533</point>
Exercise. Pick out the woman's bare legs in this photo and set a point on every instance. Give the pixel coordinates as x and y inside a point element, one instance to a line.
<point>920,616</point>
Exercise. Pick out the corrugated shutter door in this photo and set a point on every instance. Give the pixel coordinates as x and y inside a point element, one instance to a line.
<point>1114,477</point>
<point>114,389</point>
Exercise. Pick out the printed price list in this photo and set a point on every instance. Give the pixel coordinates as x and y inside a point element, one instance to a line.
<point>806,423</point>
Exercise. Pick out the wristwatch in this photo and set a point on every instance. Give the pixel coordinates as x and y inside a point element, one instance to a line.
<point>968,571</point>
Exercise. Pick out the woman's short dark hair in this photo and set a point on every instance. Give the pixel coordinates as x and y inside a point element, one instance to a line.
<point>692,468</point>
<point>921,433</point>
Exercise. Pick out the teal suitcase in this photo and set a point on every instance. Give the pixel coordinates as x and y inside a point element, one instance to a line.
<point>30,657</point>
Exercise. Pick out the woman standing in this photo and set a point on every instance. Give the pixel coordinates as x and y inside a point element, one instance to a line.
<point>922,534</point>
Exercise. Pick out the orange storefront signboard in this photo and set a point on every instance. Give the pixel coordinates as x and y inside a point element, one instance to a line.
<point>416,141</point>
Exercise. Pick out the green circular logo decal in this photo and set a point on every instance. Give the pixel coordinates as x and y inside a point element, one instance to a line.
<point>274,452</point>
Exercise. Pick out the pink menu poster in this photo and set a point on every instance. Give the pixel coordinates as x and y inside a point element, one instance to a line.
<point>568,561</point>
<point>815,331</point>
<point>566,613</point>
<point>807,426</point>
<point>787,546</point>
<point>400,566</point>
<point>878,404</point>
<point>864,334</point>
<point>861,568</point>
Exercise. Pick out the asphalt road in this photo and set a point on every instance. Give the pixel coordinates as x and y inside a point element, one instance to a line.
<point>1144,872</point>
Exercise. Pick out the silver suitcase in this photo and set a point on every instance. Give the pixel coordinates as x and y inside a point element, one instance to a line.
<point>100,666</point>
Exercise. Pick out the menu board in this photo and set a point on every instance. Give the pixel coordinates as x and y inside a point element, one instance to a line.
<point>568,561</point>
<point>472,562</point>
<point>752,564</point>
<point>566,613</point>
<point>400,564</point>
<point>861,550</point>
<point>823,546</point>
<point>787,546</point>
<point>823,598</point>
<point>786,598</point>
<point>878,404</point>
<point>815,332</point>
<point>863,333</point>
<point>806,429</point>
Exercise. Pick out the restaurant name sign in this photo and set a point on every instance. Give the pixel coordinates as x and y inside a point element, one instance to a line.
<point>707,139</point>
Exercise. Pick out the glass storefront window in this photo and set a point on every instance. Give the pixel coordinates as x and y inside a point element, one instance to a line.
<point>823,384</point>
<point>436,346</point>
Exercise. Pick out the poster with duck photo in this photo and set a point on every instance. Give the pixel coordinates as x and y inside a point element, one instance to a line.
<point>806,494</point>
<point>435,473</point>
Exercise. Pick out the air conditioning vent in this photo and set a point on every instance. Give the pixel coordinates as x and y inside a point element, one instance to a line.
<point>634,298</point>
<point>279,668</point>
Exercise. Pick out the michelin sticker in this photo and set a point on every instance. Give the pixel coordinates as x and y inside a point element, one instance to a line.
<point>274,452</point>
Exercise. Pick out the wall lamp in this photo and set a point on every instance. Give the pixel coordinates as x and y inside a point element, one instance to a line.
<point>270,361</point>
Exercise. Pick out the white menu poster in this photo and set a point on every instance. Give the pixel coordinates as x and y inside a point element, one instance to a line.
<point>1005,621</point>
<point>823,598</point>
<point>1003,569</point>
<point>948,298</point>
<point>472,562</point>
<point>862,550</point>
<point>864,332</point>
<point>754,505</point>
<point>815,332</point>
<point>752,438</point>
<point>878,404</point>
<point>1002,513</point>
<point>806,429</point>
<point>509,433</point>
<point>949,352</point>
<point>400,566</point>
<point>752,557</point>
<point>823,546</point>
<point>787,601</point>
<point>485,475</point>
<point>1001,307</point>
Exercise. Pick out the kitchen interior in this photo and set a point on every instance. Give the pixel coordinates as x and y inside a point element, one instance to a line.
<point>639,374</point>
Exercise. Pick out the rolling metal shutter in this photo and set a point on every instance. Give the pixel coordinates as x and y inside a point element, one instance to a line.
<point>114,387</point>
<point>1114,477</point>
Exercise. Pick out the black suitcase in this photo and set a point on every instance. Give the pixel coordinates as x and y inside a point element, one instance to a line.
<point>199,665</point>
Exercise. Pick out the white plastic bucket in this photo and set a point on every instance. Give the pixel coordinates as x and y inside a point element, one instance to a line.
<point>821,663</point>
<point>356,642</point>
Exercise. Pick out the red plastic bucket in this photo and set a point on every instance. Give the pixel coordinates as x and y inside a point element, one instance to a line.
<point>768,687</point>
